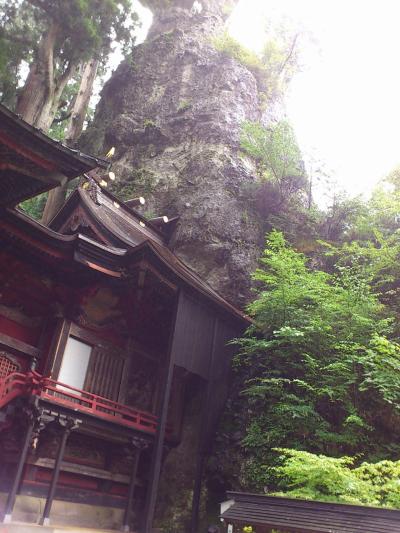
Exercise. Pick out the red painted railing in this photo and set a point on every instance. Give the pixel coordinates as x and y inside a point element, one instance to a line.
<point>32,383</point>
<point>15,384</point>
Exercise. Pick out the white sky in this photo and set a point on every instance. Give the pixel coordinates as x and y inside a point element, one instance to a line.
<point>345,103</point>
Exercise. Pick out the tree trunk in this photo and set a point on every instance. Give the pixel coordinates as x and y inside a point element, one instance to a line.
<point>81,103</point>
<point>57,196</point>
<point>39,84</point>
<point>51,104</point>
<point>39,99</point>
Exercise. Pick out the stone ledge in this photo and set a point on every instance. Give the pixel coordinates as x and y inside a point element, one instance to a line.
<point>77,516</point>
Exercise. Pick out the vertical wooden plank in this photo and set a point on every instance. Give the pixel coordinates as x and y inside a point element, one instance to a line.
<point>203,432</point>
<point>58,347</point>
<point>124,380</point>
<point>101,376</point>
<point>192,346</point>
<point>114,375</point>
<point>106,375</point>
<point>88,383</point>
<point>155,467</point>
<point>109,386</point>
<point>113,367</point>
<point>118,380</point>
<point>105,372</point>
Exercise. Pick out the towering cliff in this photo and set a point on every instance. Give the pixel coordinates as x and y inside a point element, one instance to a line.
<point>174,112</point>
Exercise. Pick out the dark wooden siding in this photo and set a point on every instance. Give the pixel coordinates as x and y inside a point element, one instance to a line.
<point>105,372</point>
<point>192,344</point>
<point>219,378</point>
<point>201,346</point>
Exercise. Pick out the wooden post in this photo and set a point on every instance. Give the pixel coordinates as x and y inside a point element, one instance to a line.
<point>203,429</point>
<point>18,475</point>
<point>68,425</point>
<point>155,469</point>
<point>134,202</point>
<point>197,492</point>
<point>139,445</point>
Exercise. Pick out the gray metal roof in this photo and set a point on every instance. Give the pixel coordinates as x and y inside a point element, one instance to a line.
<point>303,516</point>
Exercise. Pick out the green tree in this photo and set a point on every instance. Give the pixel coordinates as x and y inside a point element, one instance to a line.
<point>55,37</point>
<point>281,193</point>
<point>314,364</point>
<point>63,42</point>
<point>366,235</point>
<point>318,477</point>
<point>17,32</point>
<point>276,152</point>
<point>273,68</point>
<point>34,206</point>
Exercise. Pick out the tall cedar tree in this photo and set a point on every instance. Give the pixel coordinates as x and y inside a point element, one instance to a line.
<point>56,37</point>
<point>61,40</point>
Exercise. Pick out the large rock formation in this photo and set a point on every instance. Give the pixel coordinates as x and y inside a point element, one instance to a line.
<point>174,113</point>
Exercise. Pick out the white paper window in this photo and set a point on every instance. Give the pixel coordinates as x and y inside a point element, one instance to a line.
<point>75,363</point>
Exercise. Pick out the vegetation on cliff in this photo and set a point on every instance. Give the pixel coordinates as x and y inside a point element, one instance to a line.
<point>319,370</point>
<point>273,68</point>
<point>318,477</point>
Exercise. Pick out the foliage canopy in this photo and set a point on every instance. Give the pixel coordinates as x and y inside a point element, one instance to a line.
<point>317,477</point>
<point>317,369</point>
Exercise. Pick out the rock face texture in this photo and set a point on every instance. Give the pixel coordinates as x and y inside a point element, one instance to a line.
<point>174,113</point>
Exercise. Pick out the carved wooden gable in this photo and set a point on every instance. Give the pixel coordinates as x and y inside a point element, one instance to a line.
<point>79,222</point>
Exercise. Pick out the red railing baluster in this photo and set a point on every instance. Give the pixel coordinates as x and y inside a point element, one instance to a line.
<point>18,384</point>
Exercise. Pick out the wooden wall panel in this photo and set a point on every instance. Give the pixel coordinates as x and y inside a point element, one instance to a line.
<point>220,371</point>
<point>193,339</point>
<point>105,372</point>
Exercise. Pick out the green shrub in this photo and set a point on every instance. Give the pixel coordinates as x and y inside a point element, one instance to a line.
<point>249,59</point>
<point>184,105</point>
<point>148,123</point>
<point>318,477</point>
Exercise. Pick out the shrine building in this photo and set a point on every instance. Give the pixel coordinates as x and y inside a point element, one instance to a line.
<point>105,338</point>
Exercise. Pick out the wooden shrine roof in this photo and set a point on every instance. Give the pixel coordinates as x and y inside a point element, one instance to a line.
<point>303,516</point>
<point>122,225</point>
<point>65,252</point>
<point>32,163</point>
<point>127,242</point>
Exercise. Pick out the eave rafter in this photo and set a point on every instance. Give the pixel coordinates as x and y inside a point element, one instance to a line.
<point>53,177</point>
<point>32,163</point>
<point>25,152</point>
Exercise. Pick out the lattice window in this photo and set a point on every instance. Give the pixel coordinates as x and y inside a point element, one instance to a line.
<point>7,365</point>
